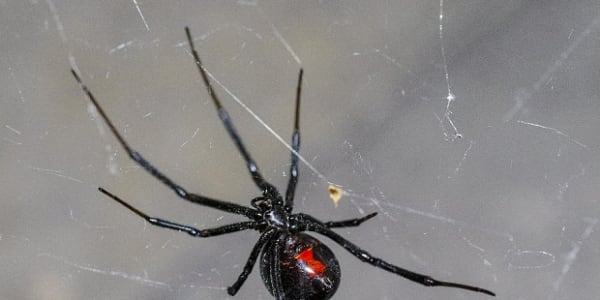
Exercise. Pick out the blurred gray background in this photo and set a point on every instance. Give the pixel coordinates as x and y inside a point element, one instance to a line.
<point>496,187</point>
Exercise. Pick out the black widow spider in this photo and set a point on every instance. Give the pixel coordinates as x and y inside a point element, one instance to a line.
<point>293,265</point>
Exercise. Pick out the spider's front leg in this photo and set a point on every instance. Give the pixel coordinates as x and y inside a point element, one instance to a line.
<point>265,187</point>
<point>291,188</point>
<point>140,160</point>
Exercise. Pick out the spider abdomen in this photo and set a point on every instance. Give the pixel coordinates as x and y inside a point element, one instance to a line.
<point>308,268</point>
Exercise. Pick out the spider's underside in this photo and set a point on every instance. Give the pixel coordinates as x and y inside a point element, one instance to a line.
<point>293,264</point>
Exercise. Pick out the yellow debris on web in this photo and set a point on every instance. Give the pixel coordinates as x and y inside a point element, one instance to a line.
<point>335,193</point>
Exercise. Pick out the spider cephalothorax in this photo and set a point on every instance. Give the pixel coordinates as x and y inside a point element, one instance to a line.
<point>293,264</point>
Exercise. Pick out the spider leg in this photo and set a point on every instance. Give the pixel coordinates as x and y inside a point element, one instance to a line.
<point>350,222</point>
<point>235,287</point>
<point>275,265</point>
<point>185,228</point>
<point>314,225</point>
<point>180,191</point>
<point>291,188</point>
<point>260,182</point>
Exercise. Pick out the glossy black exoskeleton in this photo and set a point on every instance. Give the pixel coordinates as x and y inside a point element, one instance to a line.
<point>293,265</point>
<point>308,269</point>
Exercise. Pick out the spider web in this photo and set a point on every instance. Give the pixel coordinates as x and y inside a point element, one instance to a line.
<point>469,126</point>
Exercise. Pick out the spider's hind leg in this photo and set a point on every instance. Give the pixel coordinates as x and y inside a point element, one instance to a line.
<point>235,287</point>
<point>313,225</point>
